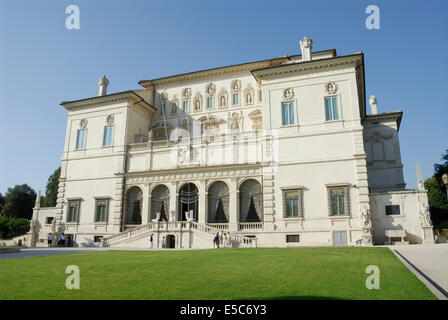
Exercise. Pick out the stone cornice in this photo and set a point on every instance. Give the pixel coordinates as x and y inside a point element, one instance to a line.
<point>385,116</point>
<point>282,70</point>
<point>124,96</point>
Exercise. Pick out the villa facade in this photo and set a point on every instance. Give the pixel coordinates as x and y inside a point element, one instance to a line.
<point>278,152</point>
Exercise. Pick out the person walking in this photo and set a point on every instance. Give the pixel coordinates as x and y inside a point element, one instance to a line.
<point>216,241</point>
<point>50,239</point>
<point>151,240</point>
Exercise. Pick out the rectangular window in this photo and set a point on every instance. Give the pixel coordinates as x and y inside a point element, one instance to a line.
<point>185,106</point>
<point>292,238</point>
<point>331,109</point>
<point>392,210</point>
<point>292,201</point>
<point>338,201</point>
<point>287,113</point>
<point>235,99</point>
<point>81,139</point>
<point>101,210</point>
<point>209,102</point>
<point>73,211</point>
<point>108,134</point>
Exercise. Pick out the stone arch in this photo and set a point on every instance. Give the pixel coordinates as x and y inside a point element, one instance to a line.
<point>188,199</point>
<point>250,201</point>
<point>160,202</point>
<point>218,202</point>
<point>133,206</point>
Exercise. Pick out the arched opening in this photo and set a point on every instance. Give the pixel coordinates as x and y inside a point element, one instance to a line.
<point>160,202</point>
<point>133,214</point>
<point>188,201</point>
<point>251,201</point>
<point>218,203</point>
<point>170,241</point>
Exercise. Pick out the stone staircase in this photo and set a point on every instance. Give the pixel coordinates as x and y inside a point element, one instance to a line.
<point>196,235</point>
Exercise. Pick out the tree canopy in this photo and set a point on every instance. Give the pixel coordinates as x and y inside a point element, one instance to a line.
<point>437,195</point>
<point>2,202</point>
<point>51,190</point>
<point>19,202</point>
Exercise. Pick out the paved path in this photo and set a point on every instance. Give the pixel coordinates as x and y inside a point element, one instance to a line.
<point>429,262</point>
<point>38,252</point>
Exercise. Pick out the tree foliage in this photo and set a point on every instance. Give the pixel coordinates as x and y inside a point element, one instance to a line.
<point>2,202</point>
<point>51,190</point>
<point>437,195</point>
<point>19,202</point>
<point>12,227</point>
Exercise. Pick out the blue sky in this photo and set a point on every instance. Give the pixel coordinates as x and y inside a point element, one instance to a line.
<point>42,63</point>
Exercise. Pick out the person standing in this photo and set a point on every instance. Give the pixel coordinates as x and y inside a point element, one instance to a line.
<point>216,241</point>
<point>50,239</point>
<point>224,240</point>
<point>151,240</point>
<point>62,240</point>
<point>163,242</point>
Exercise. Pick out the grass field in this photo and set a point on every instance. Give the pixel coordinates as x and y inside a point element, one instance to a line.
<point>302,273</point>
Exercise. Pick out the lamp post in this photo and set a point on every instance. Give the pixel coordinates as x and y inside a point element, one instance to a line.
<point>445,181</point>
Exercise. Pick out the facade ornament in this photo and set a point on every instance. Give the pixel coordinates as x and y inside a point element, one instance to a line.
<point>373,105</point>
<point>425,216</point>
<point>256,118</point>
<point>236,85</point>
<point>222,98</point>
<point>330,88</point>
<point>235,121</point>
<point>365,216</point>
<point>210,90</point>
<point>83,123</point>
<point>186,93</point>
<point>163,97</point>
<point>249,95</point>
<point>110,119</point>
<point>288,94</point>
<point>197,102</point>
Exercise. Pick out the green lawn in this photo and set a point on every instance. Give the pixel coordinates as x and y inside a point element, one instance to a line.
<point>302,273</point>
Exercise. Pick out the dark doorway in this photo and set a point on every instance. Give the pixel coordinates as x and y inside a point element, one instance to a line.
<point>170,241</point>
<point>188,200</point>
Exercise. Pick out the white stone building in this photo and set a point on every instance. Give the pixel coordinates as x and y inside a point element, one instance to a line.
<point>278,153</point>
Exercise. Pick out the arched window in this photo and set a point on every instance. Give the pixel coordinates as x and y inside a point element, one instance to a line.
<point>251,201</point>
<point>133,206</point>
<point>188,201</point>
<point>160,202</point>
<point>218,203</point>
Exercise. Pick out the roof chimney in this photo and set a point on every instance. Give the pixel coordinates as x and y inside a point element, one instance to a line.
<point>102,86</point>
<point>306,44</point>
<point>373,105</point>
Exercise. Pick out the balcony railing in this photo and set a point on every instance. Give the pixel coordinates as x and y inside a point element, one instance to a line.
<point>250,226</point>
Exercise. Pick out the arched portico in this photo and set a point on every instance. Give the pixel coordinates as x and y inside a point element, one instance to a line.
<point>188,201</point>
<point>160,202</point>
<point>133,206</point>
<point>250,201</point>
<point>218,202</point>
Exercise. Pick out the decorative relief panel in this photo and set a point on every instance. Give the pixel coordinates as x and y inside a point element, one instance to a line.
<point>288,94</point>
<point>83,123</point>
<point>110,119</point>
<point>330,88</point>
<point>222,98</point>
<point>236,86</point>
<point>249,95</point>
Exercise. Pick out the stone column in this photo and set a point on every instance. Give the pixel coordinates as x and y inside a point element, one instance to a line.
<point>173,198</point>
<point>202,202</point>
<point>233,205</point>
<point>145,204</point>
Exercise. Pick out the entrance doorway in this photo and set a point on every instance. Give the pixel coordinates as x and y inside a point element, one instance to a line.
<point>188,201</point>
<point>340,238</point>
<point>171,241</point>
